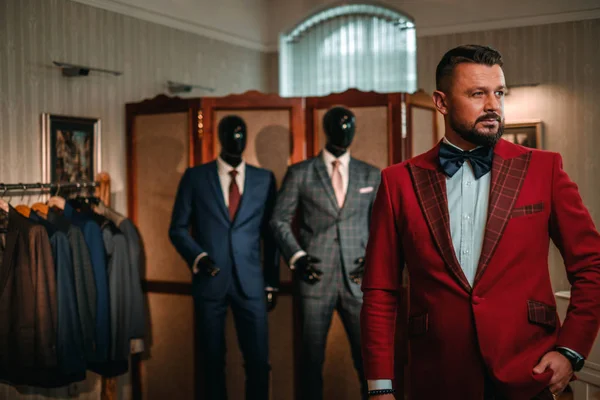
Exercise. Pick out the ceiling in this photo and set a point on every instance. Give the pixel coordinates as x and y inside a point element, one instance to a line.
<point>257,23</point>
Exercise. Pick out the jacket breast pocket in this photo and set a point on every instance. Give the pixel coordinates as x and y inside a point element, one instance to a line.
<point>542,314</point>
<point>528,209</point>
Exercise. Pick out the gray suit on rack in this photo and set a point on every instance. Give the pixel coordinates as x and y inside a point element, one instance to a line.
<point>338,237</point>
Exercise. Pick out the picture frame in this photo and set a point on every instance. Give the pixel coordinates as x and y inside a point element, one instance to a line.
<point>525,133</point>
<point>71,148</point>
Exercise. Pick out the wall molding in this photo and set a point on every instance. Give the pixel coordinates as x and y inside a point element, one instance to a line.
<point>174,22</point>
<point>510,23</point>
<point>213,33</point>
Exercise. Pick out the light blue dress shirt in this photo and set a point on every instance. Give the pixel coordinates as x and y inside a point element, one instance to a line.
<point>468,200</point>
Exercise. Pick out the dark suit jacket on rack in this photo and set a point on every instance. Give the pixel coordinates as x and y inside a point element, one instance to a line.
<point>28,307</point>
<point>93,238</point>
<point>69,341</point>
<point>134,290</point>
<point>200,203</point>
<point>85,285</point>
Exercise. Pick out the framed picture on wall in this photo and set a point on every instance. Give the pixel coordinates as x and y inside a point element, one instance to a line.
<point>70,148</point>
<point>528,134</point>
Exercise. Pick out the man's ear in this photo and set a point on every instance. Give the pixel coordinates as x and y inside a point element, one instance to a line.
<point>440,101</point>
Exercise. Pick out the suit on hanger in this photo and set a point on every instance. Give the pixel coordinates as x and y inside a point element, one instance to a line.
<point>85,285</point>
<point>28,306</point>
<point>95,243</point>
<point>235,247</point>
<point>70,344</point>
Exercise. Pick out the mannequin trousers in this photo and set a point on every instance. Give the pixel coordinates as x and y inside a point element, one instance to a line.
<point>250,317</point>
<point>316,316</point>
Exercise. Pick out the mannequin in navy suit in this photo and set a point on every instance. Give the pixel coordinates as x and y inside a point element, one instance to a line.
<point>228,204</point>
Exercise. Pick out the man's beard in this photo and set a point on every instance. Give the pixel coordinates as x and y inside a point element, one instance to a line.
<point>473,135</point>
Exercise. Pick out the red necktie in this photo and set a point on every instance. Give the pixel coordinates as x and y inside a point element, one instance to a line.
<point>234,195</point>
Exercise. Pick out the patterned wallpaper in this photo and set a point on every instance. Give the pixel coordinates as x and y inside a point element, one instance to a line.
<point>33,33</point>
<point>564,59</point>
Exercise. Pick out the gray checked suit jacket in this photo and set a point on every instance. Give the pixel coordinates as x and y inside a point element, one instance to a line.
<point>323,226</point>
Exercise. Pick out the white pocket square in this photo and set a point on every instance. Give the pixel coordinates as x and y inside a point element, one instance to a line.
<point>364,190</point>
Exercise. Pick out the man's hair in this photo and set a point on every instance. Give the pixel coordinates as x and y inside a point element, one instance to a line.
<point>470,53</point>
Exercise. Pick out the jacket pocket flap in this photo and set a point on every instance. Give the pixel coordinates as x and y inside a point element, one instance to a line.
<point>527,209</point>
<point>542,314</point>
<point>418,325</point>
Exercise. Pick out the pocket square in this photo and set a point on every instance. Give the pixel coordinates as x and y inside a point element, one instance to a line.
<point>364,190</point>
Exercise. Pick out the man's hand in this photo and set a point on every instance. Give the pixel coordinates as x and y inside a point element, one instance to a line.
<point>207,266</point>
<point>561,368</point>
<point>357,273</point>
<point>271,295</point>
<point>307,269</point>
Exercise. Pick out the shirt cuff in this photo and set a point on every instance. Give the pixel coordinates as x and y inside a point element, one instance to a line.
<point>295,258</point>
<point>380,384</point>
<point>572,351</point>
<point>137,346</point>
<point>195,266</point>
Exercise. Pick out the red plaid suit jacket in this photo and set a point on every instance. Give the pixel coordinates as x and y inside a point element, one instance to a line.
<point>507,321</point>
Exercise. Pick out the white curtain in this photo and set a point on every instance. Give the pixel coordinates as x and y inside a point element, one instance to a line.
<point>358,46</point>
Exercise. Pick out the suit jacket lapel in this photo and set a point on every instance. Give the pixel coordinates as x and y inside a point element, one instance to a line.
<point>353,185</point>
<point>326,181</point>
<point>215,184</point>
<point>508,175</point>
<point>430,187</point>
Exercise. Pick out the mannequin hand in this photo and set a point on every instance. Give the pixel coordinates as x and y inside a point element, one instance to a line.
<point>271,295</point>
<point>309,272</point>
<point>207,266</point>
<point>357,273</point>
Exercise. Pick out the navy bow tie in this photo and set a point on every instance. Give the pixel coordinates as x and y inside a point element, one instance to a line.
<point>452,159</point>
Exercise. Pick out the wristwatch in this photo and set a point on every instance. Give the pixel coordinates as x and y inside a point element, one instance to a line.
<point>575,359</point>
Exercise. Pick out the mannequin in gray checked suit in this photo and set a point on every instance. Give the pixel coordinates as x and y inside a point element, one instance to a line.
<point>328,253</point>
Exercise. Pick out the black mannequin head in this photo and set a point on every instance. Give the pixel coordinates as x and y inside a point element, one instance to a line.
<point>339,125</point>
<point>233,136</point>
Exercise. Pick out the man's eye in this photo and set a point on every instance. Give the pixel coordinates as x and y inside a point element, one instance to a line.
<point>477,94</point>
<point>500,93</point>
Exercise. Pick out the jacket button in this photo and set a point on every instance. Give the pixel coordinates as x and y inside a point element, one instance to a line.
<point>476,300</point>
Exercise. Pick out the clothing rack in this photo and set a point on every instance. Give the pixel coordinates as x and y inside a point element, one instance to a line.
<point>101,185</point>
<point>102,190</point>
<point>24,187</point>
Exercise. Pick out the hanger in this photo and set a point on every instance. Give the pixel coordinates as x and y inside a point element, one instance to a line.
<point>4,207</point>
<point>23,209</point>
<point>3,204</point>
<point>39,207</point>
<point>57,201</point>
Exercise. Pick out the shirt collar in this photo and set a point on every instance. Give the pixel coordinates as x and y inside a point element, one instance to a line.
<point>455,146</point>
<point>344,159</point>
<point>225,168</point>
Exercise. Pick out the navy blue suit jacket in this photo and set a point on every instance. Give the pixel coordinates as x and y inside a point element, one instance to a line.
<point>93,238</point>
<point>236,244</point>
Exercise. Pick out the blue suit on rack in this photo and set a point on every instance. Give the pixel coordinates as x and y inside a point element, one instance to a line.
<point>235,247</point>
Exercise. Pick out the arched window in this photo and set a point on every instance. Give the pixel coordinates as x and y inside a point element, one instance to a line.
<point>362,46</point>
